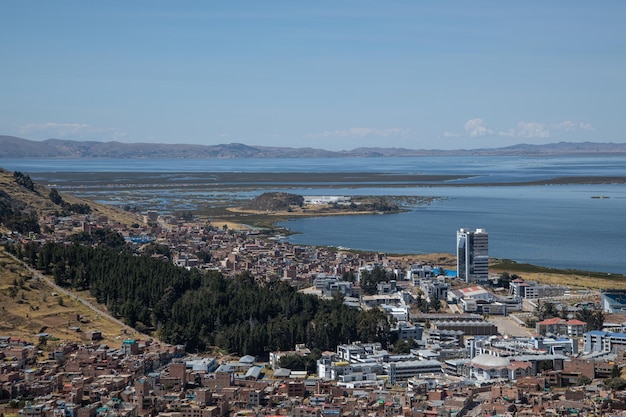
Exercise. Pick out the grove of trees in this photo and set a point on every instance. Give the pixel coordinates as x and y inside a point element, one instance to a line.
<point>17,217</point>
<point>370,279</point>
<point>203,309</point>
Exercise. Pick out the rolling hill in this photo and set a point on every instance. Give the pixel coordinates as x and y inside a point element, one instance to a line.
<point>14,147</point>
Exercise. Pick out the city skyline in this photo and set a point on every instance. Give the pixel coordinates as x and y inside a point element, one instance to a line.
<point>326,75</point>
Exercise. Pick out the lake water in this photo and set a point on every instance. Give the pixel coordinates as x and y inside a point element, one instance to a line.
<point>553,225</point>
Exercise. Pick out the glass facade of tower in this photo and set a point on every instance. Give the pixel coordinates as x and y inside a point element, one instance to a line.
<point>472,249</point>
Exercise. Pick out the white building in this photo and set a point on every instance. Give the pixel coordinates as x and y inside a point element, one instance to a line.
<point>433,287</point>
<point>417,271</point>
<point>400,313</point>
<point>403,370</point>
<point>532,290</point>
<point>601,341</point>
<point>472,255</point>
<point>327,199</point>
<point>408,331</point>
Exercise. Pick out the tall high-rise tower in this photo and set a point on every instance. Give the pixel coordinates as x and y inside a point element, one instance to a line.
<point>472,255</point>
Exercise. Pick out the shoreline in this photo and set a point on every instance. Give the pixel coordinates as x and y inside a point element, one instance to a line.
<point>256,180</point>
<point>560,276</point>
<point>209,194</point>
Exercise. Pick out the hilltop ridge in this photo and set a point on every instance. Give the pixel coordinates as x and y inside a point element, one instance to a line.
<point>23,203</point>
<point>15,147</point>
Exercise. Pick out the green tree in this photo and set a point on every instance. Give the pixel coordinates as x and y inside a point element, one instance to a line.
<point>349,276</point>
<point>597,320</point>
<point>43,341</point>
<point>204,309</point>
<point>404,346</point>
<point>546,310</point>
<point>370,279</point>
<point>545,365</point>
<point>530,322</point>
<point>593,318</point>
<point>13,292</point>
<point>22,221</point>
<point>617,384</point>
<point>293,362</point>
<point>186,215</point>
<point>504,277</point>
<point>79,208</point>
<point>55,197</point>
<point>373,326</point>
<point>421,304</point>
<point>204,256</point>
<point>434,304</point>
<point>615,371</point>
<point>154,248</point>
<point>24,180</point>
<point>105,237</point>
<point>583,380</point>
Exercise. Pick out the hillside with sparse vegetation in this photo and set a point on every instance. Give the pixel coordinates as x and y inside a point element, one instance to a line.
<point>274,201</point>
<point>30,307</point>
<point>23,203</point>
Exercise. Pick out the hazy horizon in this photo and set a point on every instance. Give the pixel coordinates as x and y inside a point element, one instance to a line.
<point>551,145</point>
<point>327,75</point>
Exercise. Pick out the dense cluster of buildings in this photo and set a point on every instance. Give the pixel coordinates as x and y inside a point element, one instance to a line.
<point>458,361</point>
<point>146,378</point>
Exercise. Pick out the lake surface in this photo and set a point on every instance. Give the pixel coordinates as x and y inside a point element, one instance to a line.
<point>553,225</point>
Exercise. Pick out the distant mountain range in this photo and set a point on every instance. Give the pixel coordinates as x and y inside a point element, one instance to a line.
<point>14,147</point>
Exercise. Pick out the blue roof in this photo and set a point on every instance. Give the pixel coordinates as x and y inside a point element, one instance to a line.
<point>609,334</point>
<point>225,368</point>
<point>615,297</point>
<point>620,335</point>
<point>597,333</point>
<point>247,359</point>
<point>254,372</point>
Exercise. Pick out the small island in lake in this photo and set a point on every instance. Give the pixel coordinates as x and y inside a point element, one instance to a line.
<point>281,205</point>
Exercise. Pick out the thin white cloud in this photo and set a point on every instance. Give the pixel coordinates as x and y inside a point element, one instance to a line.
<point>511,133</point>
<point>450,135</point>
<point>70,131</point>
<point>570,126</point>
<point>476,127</point>
<point>532,130</point>
<point>62,129</point>
<point>360,132</point>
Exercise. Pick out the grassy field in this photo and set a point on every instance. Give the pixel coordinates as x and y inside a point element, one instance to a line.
<point>29,306</point>
<point>571,278</point>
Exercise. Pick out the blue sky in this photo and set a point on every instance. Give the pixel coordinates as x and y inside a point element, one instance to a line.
<point>326,74</point>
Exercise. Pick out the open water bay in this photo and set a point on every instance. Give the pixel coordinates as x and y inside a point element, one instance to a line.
<point>557,225</point>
